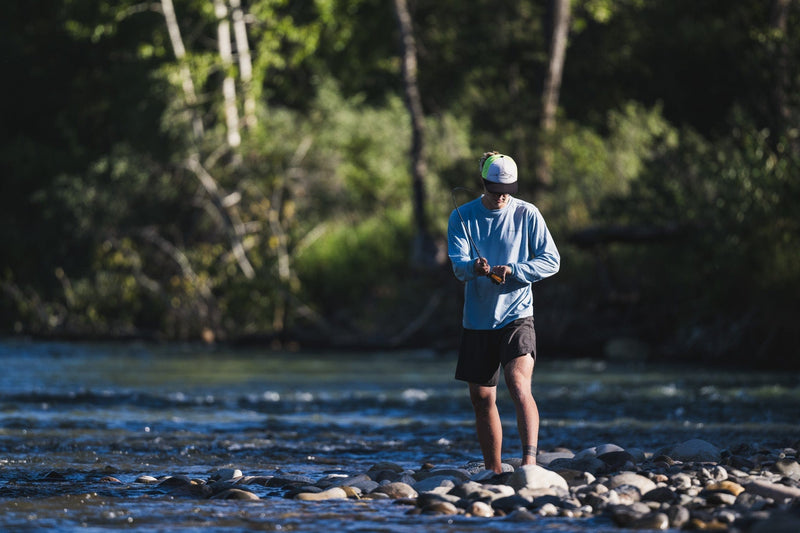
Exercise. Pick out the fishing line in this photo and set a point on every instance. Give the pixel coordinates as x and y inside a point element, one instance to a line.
<point>494,277</point>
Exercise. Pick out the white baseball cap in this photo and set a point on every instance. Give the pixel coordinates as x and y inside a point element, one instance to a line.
<point>499,174</point>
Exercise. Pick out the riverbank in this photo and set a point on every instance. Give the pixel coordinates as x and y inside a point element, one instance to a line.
<point>692,485</point>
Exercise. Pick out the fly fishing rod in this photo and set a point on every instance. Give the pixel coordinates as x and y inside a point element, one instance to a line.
<point>494,277</point>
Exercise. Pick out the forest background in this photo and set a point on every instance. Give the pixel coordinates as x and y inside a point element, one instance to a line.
<point>280,172</point>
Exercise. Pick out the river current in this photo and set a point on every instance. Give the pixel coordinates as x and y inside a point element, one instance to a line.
<point>74,417</point>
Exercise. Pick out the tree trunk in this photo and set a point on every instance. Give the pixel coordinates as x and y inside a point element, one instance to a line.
<point>233,224</point>
<point>552,87</point>
<point>228,83</point>
<point>245,63</point>
<point>781,108</point>
<point>424,249</point>
<point>180,54</point>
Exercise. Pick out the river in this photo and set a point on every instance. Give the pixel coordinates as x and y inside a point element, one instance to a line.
<point>79,423</point>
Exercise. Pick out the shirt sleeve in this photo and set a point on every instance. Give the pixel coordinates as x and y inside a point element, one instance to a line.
<point>545,259</point>
<point>458,248</point>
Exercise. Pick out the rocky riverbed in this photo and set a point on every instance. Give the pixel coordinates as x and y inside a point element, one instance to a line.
<point>144,439</point>
<point>692,485</point>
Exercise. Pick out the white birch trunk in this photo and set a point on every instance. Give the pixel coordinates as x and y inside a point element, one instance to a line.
<point>180,54</point>
<point>245,62</point>
<point>228,84</point>
<point>231,220</point>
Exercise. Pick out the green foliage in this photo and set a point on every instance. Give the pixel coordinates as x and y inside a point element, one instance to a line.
<point>356,260</point>
<point>735,204</point>
<point>674,114</point>
<point>589,167</point>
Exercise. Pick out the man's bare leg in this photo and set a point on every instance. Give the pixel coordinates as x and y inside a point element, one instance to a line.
<point>518,373</point>
<point>488,425</point>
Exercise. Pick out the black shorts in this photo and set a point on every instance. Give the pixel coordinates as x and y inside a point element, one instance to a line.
<point>484,351</point>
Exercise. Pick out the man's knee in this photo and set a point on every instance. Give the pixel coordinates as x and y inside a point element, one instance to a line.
<point>518,375</point>
<point>482,398</point>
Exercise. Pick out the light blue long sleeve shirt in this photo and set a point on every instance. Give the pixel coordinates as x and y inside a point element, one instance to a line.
<point>515,235</point>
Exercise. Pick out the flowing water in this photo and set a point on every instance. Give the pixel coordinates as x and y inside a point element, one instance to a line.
<point>71,415</point>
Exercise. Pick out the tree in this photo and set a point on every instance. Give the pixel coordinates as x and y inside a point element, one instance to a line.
<point>552,87</point>
<point>424,251</point>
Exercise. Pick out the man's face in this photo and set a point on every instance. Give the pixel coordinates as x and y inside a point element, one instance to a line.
<point>494,200</point>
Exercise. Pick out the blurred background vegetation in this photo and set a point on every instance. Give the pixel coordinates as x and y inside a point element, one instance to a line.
<point>256,170</point>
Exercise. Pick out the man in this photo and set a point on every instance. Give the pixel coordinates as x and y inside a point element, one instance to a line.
<point>498,302</point>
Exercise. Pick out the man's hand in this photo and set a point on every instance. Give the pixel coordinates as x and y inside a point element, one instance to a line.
<point>501,271</point>
<point>481,267</point>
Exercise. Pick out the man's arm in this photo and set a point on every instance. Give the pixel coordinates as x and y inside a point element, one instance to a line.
<point>545,261</point>
<point>458,248</point>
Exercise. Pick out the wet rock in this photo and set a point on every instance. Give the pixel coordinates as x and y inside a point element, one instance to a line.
<point>488,493</point>
<point>150,480</point>
<point>109,479</point>
<point>470,490</point>
<point>546,458</point>
<point>397,490</point>
<point>365,486</point>
<point>719,498</point>
<point>737,461</point>
<point>643,484</point>
<point>441,508</point>
<point>491,475</point>
<point>707,525</point>
<point>434,482</point>
<point>333,493</point>
<point>651,521</point>
<point>455,474</point>
<point>284,480</point>
<point>481,509</point>
<point>727,486</point>
<point>226,474</point>
<point>660,495</point>
<point>352,492</point>
<point>787,467</point>
<point>220,486</point>
<point>576,478</point>
<point>618,460</point>
<point>184,486</point>
<point>695,451</point>
<point>376,496</point>
<point>521,515</point>
<point>593,465</point>
<point>175,481</point>
<point>235,494</point>
<point>639,455</point>
<point>255,480</point>
<point>384,466</point>
<point>604,449</point>
<point>678,516</point>
<point>628,494</point>
<point>548,509</point>
<point>625,515</point>
<point>535,477</point>
<point>768,489</point>
<point>511,503</point>
<point>426,499</point>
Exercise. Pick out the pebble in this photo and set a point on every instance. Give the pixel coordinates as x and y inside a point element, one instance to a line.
<point>235,494</point>
<point>692,485</point>
<point>334,493</point>
<point>482,509</point>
